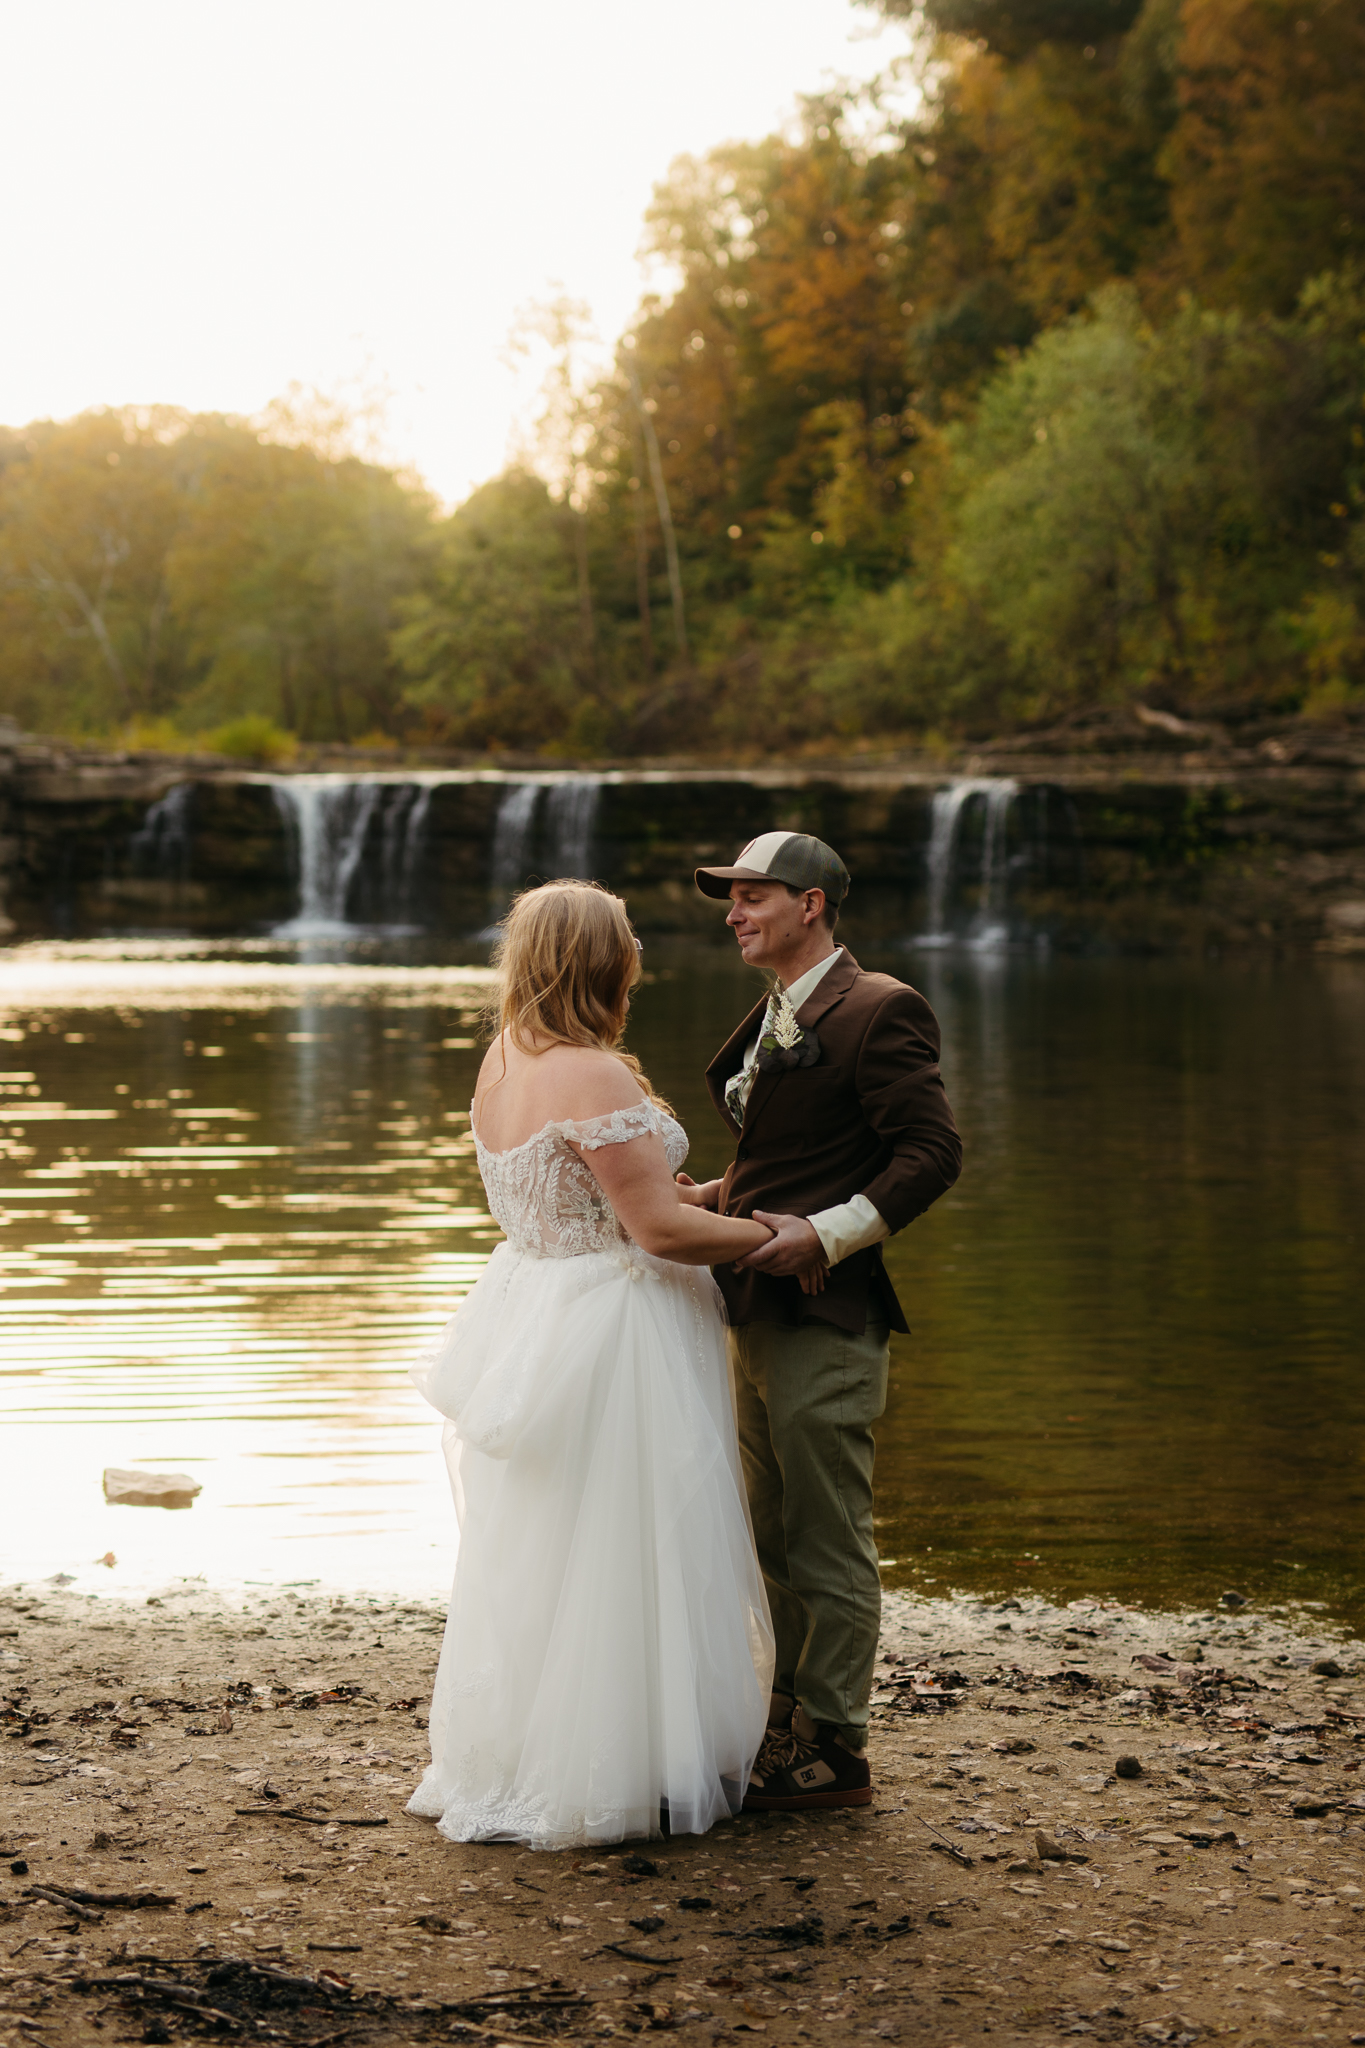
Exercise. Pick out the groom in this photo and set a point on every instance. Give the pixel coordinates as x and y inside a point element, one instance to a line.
<point>833,1091</point>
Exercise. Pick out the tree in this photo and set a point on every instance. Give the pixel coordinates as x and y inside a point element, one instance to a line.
<point>157,564</point>
<point>89,513</point>
<point>487,649</point>
<point>1266,161</point>
<point>1139,508</point>
<point>288,573</point>
<point>1015,28</point>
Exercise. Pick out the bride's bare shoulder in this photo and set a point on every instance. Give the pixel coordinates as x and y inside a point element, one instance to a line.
<point>588,1083</point>
<point>520,1092</point>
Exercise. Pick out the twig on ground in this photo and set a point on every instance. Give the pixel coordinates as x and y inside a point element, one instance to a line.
<point>633,1956</point>
<point>56,1898</point>
<point>318,1820</point>
<point>948,1848</point>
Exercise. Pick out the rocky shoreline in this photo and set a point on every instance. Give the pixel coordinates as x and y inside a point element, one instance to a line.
<point>204,1836</point>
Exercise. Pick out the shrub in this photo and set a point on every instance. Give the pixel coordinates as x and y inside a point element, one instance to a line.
<point>253,738</point>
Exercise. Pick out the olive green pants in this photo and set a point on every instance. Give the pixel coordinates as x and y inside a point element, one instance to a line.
<point>805,1403</point>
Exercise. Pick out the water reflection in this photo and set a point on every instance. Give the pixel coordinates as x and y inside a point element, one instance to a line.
<point>236,1201</point>
<point>225,1235</point>
<point>1138,1319</point>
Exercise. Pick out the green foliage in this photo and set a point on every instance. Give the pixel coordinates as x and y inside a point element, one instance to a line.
<point>252,738</point>
<point>160,563</point>
<point>488,647</point>
<point>1131,512</point>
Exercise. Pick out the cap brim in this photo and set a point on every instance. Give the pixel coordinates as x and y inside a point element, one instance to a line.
<point>716,881</point>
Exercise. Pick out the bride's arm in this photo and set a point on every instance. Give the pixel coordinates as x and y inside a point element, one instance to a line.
<point>636,1180</point>
<point>584,1086</point>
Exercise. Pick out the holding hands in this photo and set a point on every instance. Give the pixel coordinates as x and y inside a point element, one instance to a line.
<point>793,1249</point>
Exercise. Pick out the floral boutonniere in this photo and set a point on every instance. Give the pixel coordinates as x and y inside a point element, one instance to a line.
<point>783,1044</point>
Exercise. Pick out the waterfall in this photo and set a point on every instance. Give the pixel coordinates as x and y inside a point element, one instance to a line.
<point>572,815</point>
<point>996,794</point>
<point>522,843</point>
<point>999,796</point>
<point>403,834</point>
<point>513,832</point>
<point>329,819</point>
<point>161,845</point>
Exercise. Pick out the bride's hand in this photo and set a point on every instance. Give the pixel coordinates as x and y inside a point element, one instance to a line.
<point>705,1196</point>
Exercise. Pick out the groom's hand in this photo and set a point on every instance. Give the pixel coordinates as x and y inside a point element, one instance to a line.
<point>705,1195</point>
<point>795,1249</point>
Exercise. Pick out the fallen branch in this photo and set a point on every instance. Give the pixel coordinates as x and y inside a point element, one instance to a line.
<point>290,1980</point>
<point>945,1846</point>
<point>55,1898</point>
<point>126,1899</point>
<point>632,1955</point>
<point>171,1992</point>
<point>512,2001</point>
<point>129,1980</point>
<point>319,1820</point>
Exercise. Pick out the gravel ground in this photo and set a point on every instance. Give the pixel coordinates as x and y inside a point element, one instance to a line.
<point>203,1836</point>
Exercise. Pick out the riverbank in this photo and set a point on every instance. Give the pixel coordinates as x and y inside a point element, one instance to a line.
<point>205,1835</point>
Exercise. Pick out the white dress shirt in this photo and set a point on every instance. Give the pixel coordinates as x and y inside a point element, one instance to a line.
<point>849,1226</point>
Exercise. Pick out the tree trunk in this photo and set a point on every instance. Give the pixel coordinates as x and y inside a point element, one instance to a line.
<point>656,476</point>
<point>642,592</point>
<point>580,536</point>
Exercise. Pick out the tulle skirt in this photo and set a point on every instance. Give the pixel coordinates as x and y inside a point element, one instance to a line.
<point>608,1651</point>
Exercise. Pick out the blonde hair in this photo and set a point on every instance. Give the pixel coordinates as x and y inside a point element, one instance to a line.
<point>567,961</point>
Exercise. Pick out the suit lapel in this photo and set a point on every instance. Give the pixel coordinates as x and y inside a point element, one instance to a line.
<point>830,989</point>
<point>730,1059</point>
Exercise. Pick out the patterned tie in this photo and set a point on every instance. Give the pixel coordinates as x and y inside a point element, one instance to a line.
<point>738,1087</point>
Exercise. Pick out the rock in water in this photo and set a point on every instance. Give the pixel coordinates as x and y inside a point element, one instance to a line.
<point>150,1489</point>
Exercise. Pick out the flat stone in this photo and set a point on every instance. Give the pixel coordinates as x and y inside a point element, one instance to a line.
<point>131,1489</point>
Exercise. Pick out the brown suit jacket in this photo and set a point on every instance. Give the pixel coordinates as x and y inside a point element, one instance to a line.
<point>869,1118</point>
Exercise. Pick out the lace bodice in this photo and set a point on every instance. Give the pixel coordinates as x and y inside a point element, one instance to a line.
<point>547,1198</point>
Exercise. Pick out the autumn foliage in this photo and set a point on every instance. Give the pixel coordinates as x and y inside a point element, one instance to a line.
<point>1048,397</point>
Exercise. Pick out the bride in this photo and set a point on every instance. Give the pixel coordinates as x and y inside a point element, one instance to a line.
<point>608,1654</point>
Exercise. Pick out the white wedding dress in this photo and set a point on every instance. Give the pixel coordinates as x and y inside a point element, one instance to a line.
<point>608,1649</point>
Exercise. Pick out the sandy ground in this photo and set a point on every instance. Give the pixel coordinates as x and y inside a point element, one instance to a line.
<point>204,1837</point>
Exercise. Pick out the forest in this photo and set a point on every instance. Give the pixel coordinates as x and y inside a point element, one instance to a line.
<point>1049,398</point>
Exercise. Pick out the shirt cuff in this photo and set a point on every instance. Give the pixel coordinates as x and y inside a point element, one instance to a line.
<point>848,1228</point>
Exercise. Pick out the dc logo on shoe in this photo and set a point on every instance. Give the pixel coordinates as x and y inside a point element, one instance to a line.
<point>811,1775</point>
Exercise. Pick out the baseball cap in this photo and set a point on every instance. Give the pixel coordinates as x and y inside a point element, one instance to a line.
<point>797,859</point>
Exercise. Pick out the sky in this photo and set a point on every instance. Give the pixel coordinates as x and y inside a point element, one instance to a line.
<point>208,203</point>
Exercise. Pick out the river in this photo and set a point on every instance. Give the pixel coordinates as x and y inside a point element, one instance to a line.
<point>239,1195</point>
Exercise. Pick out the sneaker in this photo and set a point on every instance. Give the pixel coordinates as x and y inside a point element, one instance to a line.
<point>789,1773</point>
<point>775,1746</point>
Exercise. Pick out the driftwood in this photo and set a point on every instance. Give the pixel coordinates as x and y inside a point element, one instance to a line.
<point>319,1820</point>
<point>56,1898</point>
<point>128,1900</point>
